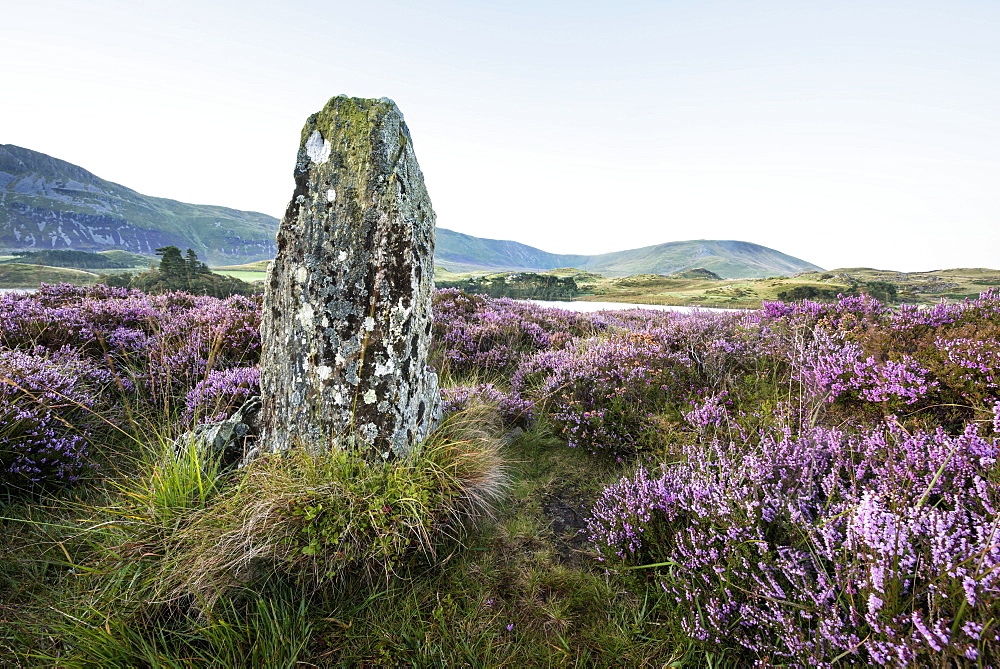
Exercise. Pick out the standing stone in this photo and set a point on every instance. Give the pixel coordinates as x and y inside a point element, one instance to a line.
<point>347,303</point>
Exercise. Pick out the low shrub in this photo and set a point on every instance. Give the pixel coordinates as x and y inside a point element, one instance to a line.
<point>49,407</point>
<point>486,336</point>
<point>881,547</point>
<point>511,408</point>
<point>603,393</point>
<point>220,393</point>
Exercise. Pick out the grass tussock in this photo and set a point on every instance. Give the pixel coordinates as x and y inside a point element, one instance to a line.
<point>317,517</point>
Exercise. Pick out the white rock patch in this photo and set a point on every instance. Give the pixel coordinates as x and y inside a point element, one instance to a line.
<point>306,315</point>
<point>317,148</point>
<point>383,369</point>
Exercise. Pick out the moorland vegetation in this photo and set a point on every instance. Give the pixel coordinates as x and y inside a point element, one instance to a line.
<point>693,287</point>
<point>807,484</point>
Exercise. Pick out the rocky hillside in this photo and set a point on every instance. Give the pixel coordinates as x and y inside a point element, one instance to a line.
<point>728,259</point>
<point>47,203</point>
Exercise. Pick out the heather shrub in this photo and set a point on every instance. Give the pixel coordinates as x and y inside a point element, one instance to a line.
<point>880,547</point>
<point>613,392</point>
<point>831,369</point>
<point>950,346</point>
<point>486,337</point>
<point>510,407</point>
<point>846,312</point>
<point>96,321</point>
<point>221,393</point>
<point>157,347</point>
<point>605,392</point>
<point>197,335</point>
<point>859,361</point>
<point>48,415</point>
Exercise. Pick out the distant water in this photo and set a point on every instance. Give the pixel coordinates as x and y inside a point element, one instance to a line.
<point>617,306</point>
<point>17,290</point>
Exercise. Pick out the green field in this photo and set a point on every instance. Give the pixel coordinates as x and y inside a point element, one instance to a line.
<point>249,276</point>
<point>259,266</point>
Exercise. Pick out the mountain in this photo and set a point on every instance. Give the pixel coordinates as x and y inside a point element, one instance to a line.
<point>729,259</point>
<point>47,203</point>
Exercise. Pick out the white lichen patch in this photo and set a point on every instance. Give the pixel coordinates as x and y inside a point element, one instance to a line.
<point>301,274</point>
<point>342,256</point>
<point>331,195</point>
<point>324,372</point>
<point>369,397</point>
<point>305,315</point>
<point>317,148</point>
<point>369,323</point>
<point>382,369</point>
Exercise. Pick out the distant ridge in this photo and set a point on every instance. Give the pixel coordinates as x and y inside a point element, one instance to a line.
<point>728,258</point>
<point>47,203</point>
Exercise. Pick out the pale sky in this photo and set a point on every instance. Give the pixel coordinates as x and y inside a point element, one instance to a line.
<point>844,133</point>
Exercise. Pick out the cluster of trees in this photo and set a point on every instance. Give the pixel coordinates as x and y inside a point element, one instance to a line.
<point>883,291</point>
<point>523,286</point>
<point>66,258</point>
<point>181,272</point>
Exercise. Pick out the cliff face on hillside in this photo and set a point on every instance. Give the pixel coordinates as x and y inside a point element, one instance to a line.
<point>47,203</point>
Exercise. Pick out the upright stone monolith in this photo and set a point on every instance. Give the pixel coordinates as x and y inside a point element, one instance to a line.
<point>347,304</point>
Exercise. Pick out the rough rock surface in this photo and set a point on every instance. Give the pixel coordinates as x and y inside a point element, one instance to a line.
<point>347,305</point>
<point>231,441</point>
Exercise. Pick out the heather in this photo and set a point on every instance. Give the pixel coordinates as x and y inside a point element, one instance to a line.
<point>809,484</point>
